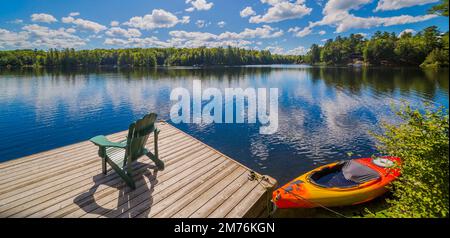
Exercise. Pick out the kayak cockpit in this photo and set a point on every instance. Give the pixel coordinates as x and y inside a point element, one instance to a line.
<point>345,174</point>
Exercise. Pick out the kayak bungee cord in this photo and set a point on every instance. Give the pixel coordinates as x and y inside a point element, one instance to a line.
<point>253,176</point>
<point>316,203</point>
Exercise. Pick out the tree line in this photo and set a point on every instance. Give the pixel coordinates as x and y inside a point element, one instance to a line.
<point>427,48</point>
<point>141,57</point>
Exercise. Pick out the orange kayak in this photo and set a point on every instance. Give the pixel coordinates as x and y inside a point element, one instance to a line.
<point>339,184</point>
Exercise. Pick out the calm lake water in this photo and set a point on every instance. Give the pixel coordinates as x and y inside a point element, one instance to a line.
<point>324,113</point>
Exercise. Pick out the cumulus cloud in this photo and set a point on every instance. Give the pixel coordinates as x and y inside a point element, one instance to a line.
<point>337,13</point>
<point>120,32</point>
<point>9,39</point>
<point>281,10</point>
<point>84,24</point>
<point>300,50</point>
<point>199,5</point>
<point>71,30</point>
<point>298,32</point>
<point>114,23</point>
<point>260,32</point>
<point>42,17</point>
<point>60,38</point>
<point>137,42</point>
<point>386,5</point>
<point>159,18</point>
<point>275,49</point>
<point>192,39</point>
<point>246,12</point>
<point>322,33</point>
<point>201,23</point>
<point>36,36</point>
<point>74,14</point>
<point>221,24</point>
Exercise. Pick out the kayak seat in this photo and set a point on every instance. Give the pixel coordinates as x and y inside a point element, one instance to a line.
<point>345,174</point>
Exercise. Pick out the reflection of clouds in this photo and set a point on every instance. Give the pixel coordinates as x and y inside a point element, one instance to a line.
<point>259,150</point>
<point>318,122</point>
<point>48,93</point>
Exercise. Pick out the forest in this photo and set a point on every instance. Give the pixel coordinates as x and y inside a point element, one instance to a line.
<point>427,48</point>
<point>141,57</point>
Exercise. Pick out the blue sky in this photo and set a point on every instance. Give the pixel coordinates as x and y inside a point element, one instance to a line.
<point>282,26</point>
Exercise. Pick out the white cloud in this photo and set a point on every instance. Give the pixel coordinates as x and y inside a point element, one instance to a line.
<point>221,24</point>
<point>193,35</point>
<point>199,5</point>
<point>353,22</point>
<point>300,32</point>
<point>300,50</point>
<point>281,10</point>
<point>407,31</point>
<point>386,5</point>
<point>201,23</point>
<point>114,23</point>
<point>117,31</point>
<point>260,32</point>
<point>137,42</point>
<point>179,39</point>
<point>159,18</point>
<point>71,30</point>
<point>74,14</point>
<point>322,33</point>
<point>10,39</point>
<point>84,24</point>
<point>42,17</point>
<point>198,39</point>
<point>275,49</point>
<point>246,12</point>
<point>36,36</point>
<point>185,20</point>
<point>45,37</point>
<point>297,51</point>
<point>337,13</point>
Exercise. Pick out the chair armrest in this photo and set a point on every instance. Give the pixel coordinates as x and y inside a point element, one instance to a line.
<point>102,141</point>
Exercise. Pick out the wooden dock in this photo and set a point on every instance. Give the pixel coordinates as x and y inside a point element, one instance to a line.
<point>198,181</point>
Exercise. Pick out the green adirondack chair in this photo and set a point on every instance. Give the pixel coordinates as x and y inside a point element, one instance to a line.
<point>120,155</point>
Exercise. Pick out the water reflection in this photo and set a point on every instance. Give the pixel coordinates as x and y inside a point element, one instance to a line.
<point>323,112</point>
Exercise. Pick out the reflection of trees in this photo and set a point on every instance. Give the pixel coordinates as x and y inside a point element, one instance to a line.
<point>381,80</point>
<point>155,73</point>
<point>384,80</point>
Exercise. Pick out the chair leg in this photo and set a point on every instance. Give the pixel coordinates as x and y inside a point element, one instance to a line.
<point>156,144</point>
<point>104,165</point>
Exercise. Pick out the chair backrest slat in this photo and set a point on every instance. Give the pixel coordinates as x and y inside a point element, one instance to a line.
<point>138,134</point>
